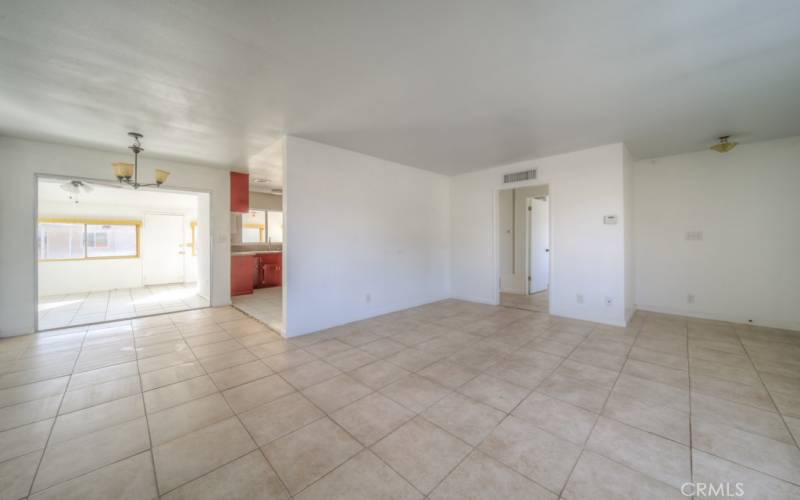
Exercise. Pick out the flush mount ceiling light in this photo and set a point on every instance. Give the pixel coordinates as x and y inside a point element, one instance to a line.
<point>724,146</point>
<point>126,171</point>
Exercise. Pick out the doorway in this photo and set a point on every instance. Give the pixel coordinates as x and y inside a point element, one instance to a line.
<point>524,247</point>
<point>107,253</point>
<point>163,249</point>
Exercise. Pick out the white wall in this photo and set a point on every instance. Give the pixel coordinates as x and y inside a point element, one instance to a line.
<point>21,159</point>
<point>587,256</point>
<point>505,216</point>
<point>358,225</point>
<point>265,201</point>
<point>80,276</point>
<point>747,204</point>
<point>628,229</point>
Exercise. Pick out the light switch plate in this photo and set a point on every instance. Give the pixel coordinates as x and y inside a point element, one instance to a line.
<point>694,235</point>
<point>609,219</point>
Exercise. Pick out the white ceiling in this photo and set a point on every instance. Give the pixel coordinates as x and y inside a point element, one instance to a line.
<point>450,85</point>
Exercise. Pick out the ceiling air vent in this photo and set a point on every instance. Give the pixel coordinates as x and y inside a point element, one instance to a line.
<point>519,176</point>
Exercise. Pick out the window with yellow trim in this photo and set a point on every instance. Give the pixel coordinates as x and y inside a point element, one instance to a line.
<point>76,239</point>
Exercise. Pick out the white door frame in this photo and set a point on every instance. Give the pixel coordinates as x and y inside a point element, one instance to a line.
<point>495,235</point>
<point>35,222</point>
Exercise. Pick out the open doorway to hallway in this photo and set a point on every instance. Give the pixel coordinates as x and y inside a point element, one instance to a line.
<point>108,253</point>
<point>524,247</point>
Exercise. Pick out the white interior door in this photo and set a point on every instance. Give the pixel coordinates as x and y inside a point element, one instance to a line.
<point>539,245</point>
<point>163,249</point>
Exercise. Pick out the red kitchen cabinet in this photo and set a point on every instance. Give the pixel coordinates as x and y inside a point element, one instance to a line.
<point>270,269</point>
<point>242,269</point>
<point>240,192</point>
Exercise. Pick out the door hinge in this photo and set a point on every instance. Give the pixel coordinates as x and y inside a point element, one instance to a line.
<point>529,278</point>
<point>529,209</point>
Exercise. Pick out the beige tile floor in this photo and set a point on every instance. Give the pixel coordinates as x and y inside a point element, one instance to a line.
<point>451,400</point>
<point>265,305</point>
<point>57,311</point>
<point>537,302</point>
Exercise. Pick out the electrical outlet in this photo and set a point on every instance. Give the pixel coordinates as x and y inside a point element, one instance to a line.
<point>690,298</point>
<point>579,298</point>
<point>609,301</point>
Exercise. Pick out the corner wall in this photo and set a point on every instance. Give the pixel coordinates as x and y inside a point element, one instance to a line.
<point>21,160</point>
<point>628,228</point>
<point>747,205</point>
<point>587,256</point>
<point>363,236</point>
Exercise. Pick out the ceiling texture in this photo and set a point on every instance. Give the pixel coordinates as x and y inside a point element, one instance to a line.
<point>449,86</point>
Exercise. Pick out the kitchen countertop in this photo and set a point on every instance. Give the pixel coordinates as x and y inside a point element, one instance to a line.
<point>255,252</point>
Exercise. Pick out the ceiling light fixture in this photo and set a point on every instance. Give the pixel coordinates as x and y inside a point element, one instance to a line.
<point>126,171</point>
<point>75,188</point>
<point>724,146</point>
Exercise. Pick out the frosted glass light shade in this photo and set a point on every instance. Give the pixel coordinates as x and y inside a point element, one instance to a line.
<point>161,176</point>
<point>123,170</point>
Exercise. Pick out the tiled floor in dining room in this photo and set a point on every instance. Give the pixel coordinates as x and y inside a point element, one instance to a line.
<point>56,311</point>
<point>451,400</point>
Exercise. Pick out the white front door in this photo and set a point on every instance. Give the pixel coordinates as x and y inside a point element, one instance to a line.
<point>163,249</point>
<point>539,245</point>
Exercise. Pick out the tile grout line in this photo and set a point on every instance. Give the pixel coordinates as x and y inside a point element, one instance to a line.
<point>238,418</point>
<point>691,433</point>
<point>146,418</point>
<point>233,412</point>
<point>55,417</point>
<point>769,393</point>
<point>507,414</point>
<point>420,414</point>
<point>602,408</point>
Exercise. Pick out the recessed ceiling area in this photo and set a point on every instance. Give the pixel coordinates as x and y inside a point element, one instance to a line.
<point>449,86</point>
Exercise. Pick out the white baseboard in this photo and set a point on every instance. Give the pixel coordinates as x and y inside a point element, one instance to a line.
<point>728,318</point>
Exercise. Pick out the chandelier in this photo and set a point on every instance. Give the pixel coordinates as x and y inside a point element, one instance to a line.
<point>127,171</point>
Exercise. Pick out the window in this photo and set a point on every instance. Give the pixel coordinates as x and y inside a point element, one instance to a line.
<point>60,241</point>
<point>87,239</point>
<point>275,227</point>
<point>111,240</point>
<point>253,226</point>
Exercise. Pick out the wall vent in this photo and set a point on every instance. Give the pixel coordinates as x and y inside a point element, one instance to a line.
<point>519,176</point>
